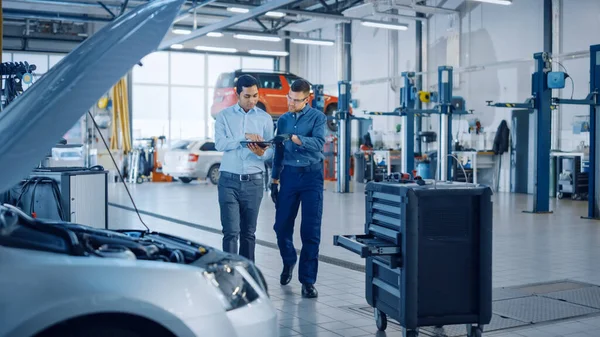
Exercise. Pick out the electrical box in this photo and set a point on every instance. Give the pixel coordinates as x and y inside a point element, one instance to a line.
<point>458,103</point>
<point>556,80</point>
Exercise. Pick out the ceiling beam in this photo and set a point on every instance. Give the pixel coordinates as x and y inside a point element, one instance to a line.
<point>226,23</point>
<point>34,15</point>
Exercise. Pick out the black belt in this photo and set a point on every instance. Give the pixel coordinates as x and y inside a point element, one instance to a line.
<point>310,168</point>
<point>242,177</point>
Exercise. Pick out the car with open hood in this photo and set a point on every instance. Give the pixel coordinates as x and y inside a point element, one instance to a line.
<point>66,279</point>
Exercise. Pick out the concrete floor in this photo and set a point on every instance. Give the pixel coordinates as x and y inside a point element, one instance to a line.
<point>527,249</point>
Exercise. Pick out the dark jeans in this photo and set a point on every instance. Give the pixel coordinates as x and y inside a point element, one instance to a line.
<point>300,185</point>
<point>239,201</point>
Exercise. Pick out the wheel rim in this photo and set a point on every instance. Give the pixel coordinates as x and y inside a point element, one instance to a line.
<point>214,174</point>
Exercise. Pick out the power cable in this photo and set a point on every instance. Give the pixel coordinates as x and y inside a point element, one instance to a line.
<point>118,171</point>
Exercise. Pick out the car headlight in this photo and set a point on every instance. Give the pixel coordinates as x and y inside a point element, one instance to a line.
<point>233,289</point>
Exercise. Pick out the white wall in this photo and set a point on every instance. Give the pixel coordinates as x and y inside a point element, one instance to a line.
<point>370,60</point>
<point>579,27</point>
<point>487,34</point>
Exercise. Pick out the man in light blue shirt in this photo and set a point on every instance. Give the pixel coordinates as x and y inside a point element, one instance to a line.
<point>241,173</point>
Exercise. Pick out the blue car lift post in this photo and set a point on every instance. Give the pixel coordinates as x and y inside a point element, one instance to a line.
<point>593,101</point>
<point>407,110</point>
<point>344,142</point>
<point>541,101</point>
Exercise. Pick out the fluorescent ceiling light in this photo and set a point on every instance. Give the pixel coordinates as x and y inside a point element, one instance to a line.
<point>238,10</point>
<point>216,49</point>
<point>386,25</point>
<point>268,52</point>
<point>312,41</point>
<point>177,46</point>
<point>271,38</point>
<point>275,14</point>
<point>182,31</point>
<point>497,2</point>
<point>214,34</point>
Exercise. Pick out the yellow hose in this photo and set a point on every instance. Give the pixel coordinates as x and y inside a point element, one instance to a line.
<point>120,116</point>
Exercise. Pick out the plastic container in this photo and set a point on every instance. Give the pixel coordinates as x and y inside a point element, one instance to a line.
<point>423,170</point>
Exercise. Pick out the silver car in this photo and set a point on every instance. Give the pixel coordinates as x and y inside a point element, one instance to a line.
<point>66,279</point>
<point>193,159</point>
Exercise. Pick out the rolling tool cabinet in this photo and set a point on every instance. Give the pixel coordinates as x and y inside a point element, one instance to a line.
<point>428,251</point>
<point>572,180</point>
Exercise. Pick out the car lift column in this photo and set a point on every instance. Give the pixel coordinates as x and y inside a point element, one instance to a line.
<point>445,101</point>
<point>343,143</point>
<point>594,172</point>
<point>542,96</point>
<point>407,103</point>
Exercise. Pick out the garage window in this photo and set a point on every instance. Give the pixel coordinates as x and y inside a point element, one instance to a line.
<point>208,146</point>
<point>270,81</point>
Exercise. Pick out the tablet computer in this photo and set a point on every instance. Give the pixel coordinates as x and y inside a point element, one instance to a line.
<point>262,144</point>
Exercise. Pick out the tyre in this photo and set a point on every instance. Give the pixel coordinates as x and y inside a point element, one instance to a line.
<point>213,174</point>
<point>380,320</point>
<point>330,112</point>
<point>185,180</point>
<point>97,330</point>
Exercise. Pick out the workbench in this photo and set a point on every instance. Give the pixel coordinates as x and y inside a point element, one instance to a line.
<point>479,160</point>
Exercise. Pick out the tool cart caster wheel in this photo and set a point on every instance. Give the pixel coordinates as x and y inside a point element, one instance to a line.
<point>412,333</point>
<point>380,320</point>
<point>139,180</point>
<point>560,195</point>
<point>475,332</point>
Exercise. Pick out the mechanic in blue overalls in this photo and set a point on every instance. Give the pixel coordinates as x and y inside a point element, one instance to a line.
<point>298,178</point>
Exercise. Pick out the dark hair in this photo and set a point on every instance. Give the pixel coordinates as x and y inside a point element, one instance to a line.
<point>301,85</point>
<point>245,81</point>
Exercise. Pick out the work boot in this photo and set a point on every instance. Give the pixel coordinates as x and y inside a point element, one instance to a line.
<point>309,291</point>
<point>286,274</point>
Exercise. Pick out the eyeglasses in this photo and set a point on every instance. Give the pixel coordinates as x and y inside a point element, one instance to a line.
<point>296,100</point>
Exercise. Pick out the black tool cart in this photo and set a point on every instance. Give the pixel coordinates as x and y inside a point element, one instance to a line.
<point>428,250</point>
<point>571,179</point>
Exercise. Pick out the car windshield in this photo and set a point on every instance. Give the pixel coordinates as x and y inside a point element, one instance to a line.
<point>225,80</point>
<point>181,145</point>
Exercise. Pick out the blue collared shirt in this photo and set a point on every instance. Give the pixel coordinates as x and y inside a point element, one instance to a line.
<point>309,125</point>
<point>231,126</point>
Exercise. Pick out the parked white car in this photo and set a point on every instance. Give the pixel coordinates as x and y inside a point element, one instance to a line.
<point>65,279</point>
<point>193,159</point>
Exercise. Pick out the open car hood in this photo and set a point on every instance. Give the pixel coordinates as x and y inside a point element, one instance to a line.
<point>32,124</point>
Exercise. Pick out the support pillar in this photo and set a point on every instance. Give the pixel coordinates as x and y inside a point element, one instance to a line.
<point>594,171</point>
<point>543,117</point>
<point>344,67</point>
<point>287,58</point>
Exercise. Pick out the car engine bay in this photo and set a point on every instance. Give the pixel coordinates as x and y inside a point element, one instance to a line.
<point>18,230</point>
